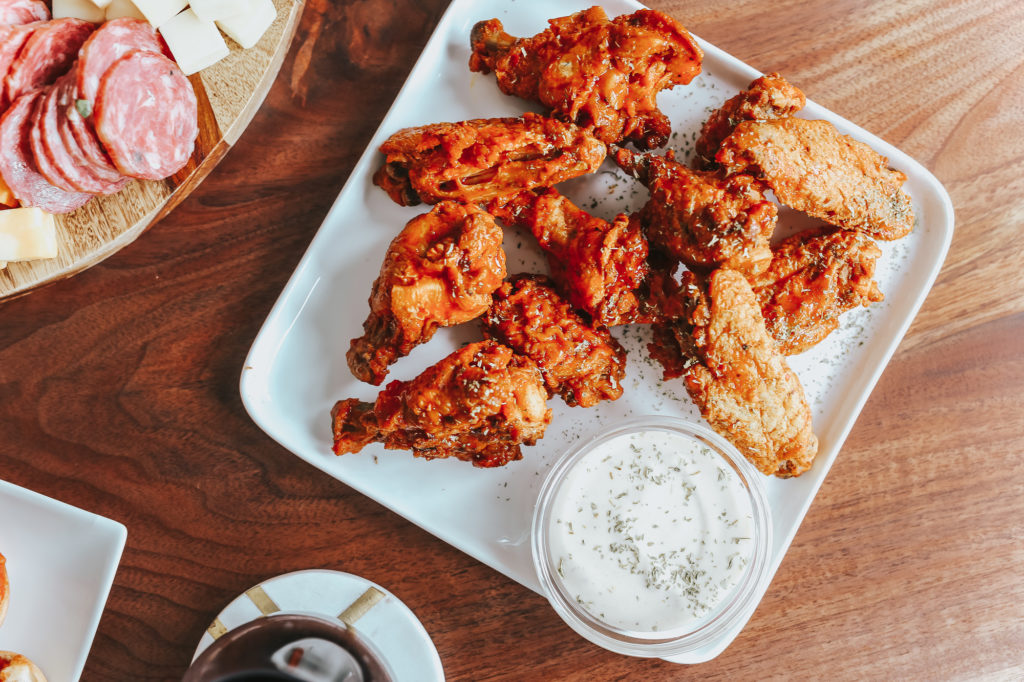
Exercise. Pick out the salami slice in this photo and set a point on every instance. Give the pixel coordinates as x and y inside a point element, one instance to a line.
<point>16,165</point>
<point>146,116</point>
<point>45,163</point>
<point>23,11</point>
<point>110,42</point>
<point>79,176</point>
<point>12,39</point>
<point>47,54</point>
<point>73,130</point>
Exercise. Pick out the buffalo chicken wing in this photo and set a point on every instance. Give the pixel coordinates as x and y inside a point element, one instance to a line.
<point>477,160</point>
<point>815,276</point>
<point>579,360</point>
<point>736,375</point>
<point>596,265</point>
<point>704,220</point>
<point>813,168</point>
<point>598,73</point>
<point>478,405</point>
<point>439,271</point>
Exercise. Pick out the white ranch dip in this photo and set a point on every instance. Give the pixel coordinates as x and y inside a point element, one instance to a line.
<point>650,531</point>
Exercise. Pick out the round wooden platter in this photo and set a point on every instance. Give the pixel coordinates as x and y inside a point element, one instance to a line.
<point>229,93</point>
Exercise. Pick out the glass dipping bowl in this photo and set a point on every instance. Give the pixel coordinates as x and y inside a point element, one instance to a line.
<point>734,606</point>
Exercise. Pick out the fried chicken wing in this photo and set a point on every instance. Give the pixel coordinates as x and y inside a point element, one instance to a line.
<point>600,74</point>
<point>596,265</point>
<point>769,97</point>
<point>815,276</point>
<point>477,160</point>
<point>736,375</point>
<point>478,405</point>
<point>702,219</point>
<point>579,360</point>
<point>439,271</point>
<point>813,168</point>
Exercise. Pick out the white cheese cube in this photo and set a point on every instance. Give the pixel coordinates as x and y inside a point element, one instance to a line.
<point>195,44</point>
<point>248,27</point>
<point>123,8</point>
<point>102,4</point>
<point>78,9</point>
<point>212,10</point>
<point>157,12</point>
<point>27,234</point>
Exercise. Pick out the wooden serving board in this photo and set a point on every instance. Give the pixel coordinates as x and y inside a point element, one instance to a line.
<point>229,93</point>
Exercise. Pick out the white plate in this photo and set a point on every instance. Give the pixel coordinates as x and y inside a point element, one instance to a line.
<point>296,368</point>
<point>61,562</point>
<point>388,625</point>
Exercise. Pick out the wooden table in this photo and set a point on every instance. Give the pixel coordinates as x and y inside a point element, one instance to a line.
<point>119,386</point>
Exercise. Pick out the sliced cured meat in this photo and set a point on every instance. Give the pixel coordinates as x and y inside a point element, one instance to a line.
<point>110,42</point>
<point>44,162</point>
<point>12,39</point>
<point>146,116</point>
<point>18,169</point>
<point>81,142</point>
<point>66,162</point>
<point>23,11</point>
<point>47,54</point>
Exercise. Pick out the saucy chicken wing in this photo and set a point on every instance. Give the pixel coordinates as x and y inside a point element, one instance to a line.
<point>580,361</point>
<point>813,168</point>
<point>596,265</point>
<point>598,73</point>
<point>704,220</point>
<point>478,405</point>
<point>439,271</point>
<point>736,375</point>
<point>769,97</point>
<point>815,276</point>
<point>477,160</point>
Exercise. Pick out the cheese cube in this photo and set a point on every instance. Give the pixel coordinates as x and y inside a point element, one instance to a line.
<point>78,9</point>
<point>248,27</point>
<point>102,4</point>
<point>157,12</point>
<point>212,10</point>
<point>27,234</point>
<point>123,8</point>
<point>195,44</point>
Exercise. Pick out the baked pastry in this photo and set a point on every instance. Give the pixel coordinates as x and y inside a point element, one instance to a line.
<point>16,668</point>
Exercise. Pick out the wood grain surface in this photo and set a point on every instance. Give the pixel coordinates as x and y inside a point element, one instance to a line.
<point>118,388</point>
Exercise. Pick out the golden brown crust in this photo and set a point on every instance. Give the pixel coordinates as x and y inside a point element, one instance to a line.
<point>17,668</point>
<point>815,276</point>
<point>598,73</point>
<point>478,404</point>
<point>579,360</point>
<point>439,271</point>
<point>769,97</point>
<point>596,265</point>
<point>477,160</point>
<point>813,168</point>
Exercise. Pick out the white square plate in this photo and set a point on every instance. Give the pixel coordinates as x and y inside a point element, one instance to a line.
<point>296,368</point>
<point>61,562</point>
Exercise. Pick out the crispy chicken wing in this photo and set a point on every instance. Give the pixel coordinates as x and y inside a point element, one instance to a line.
<point>813,168</point>
<point>769,97</point>
<point>478,404</point>
<point>736,375</point>
<point>600,74</point>
<point>815,276</point>
<point>579,360</point>
<point>439,271</point>
<point>596,265</point>
<point>473,161</point>
<point>700,218</point>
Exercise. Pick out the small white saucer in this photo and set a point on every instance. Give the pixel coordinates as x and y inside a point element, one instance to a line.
<point>383,620</point>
